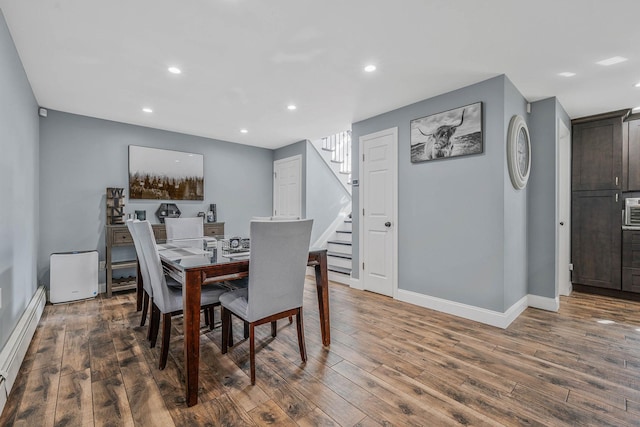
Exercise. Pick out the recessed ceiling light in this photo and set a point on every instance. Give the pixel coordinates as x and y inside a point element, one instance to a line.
<point>567,74</point>
<point>637,84</point>
<point>147,110</point>
<point>291,107</point>
<point>612,60</point>
<point>243,131</point>
<point>175,70</point>
<point>370,68</point>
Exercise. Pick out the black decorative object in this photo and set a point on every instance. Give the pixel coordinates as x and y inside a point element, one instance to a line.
<point>141,215</point>
<point>115,205</point>
<point>167,210</point>
<point>212,215</point>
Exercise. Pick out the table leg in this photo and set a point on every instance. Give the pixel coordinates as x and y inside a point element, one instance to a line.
<point>191,311</point>
<point>322,286</point>
<point>139,290</point>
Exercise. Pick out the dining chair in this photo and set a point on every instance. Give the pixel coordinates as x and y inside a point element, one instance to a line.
<point>277,266</point>
<point>144,272</point>
<point>167,301</point>
<point>184,228</point>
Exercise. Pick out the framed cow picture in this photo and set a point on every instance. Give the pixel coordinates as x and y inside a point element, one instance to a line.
<point>452,133</point>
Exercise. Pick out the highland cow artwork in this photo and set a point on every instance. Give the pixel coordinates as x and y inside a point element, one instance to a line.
<point>453,133</point>
<point>165,174</point>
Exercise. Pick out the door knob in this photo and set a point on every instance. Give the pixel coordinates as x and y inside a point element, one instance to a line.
<point>387,224</point>
<point>561,222</point>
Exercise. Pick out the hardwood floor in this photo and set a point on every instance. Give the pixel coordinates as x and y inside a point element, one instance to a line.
<point>389,363</point>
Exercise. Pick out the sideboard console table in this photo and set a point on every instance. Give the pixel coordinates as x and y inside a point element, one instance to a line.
<point>118,236</point>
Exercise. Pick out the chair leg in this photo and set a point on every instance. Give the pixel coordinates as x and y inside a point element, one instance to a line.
<point>145,309</point>
<point>290,319</point>
<point>274,329</point>
<point>226,329</point>
<point>246,330</point>
<point>252,353</point>
<point>166,334</point>
<point>154,325</point>
<point>212,317</point>
<point>207,318</point>
<point>301,344</point>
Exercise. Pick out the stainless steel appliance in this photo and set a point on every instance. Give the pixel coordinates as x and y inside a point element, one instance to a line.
<point>632,211</point>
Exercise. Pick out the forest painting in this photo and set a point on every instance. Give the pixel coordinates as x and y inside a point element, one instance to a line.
<point>165,174</point>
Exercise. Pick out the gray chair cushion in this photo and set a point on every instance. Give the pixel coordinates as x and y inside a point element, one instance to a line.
<point>236,301</point>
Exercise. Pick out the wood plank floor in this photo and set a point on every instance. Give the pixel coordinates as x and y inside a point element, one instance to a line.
<point>389,363</point>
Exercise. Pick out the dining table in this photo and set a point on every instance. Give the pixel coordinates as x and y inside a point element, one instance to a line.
<point>192,263</point>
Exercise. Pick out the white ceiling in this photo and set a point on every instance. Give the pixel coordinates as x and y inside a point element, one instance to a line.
<point>244,61</point>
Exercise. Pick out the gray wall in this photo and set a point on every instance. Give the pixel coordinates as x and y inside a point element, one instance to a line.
<point>542,193</point>
<point>80,157</point>
<point>323,196</point>
<point>454,237</point>
<point>18,186</point>
<point>326,196</point>
<point>515,208</point>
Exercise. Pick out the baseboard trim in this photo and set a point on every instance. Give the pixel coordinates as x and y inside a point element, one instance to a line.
<point>15,349</point>
<point>543,303</point>
<point>477,314</point>
<point>340,278</point>
<point>356,284</point>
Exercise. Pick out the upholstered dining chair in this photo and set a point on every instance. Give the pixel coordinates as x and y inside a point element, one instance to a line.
<point>167,301</point>
<point>144,272</point>
<point>184,228</point>
<point>277,265</point>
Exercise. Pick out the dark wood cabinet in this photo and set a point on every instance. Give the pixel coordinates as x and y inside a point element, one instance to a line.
<point>631,156</point>
<point>597,153</point>
<point>631,261</point>
<point>598,176</point>
<point>595,236</point>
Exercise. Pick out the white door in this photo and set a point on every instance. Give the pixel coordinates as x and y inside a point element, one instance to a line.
<point>564,209</point>
<point>287,187</point>
<point>379,211</point>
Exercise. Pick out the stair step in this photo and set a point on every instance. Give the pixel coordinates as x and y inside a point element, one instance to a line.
<point>340,242</point>
<point>341,270</point>
<point>328,149</point>
<point>337,161</point>
<point>344,231</point>
<point>339,255</point>
<point>348,221</point>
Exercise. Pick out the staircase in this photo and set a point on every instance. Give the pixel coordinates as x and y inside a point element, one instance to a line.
<point>339,254</point>
<point>336,152</point>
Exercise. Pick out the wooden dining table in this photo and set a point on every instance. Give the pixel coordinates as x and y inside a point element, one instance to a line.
<point>195,270</point>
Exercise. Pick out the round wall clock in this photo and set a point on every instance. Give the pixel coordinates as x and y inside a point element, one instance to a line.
<point>518,152</point>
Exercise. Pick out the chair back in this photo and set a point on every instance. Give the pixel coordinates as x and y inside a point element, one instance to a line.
<point>275,218</point>
<point>144,270</point>
<point>277,265</point>
<point>161,295</point>
<point>184,228</point>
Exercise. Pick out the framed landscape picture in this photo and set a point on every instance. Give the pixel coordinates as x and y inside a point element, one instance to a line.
<point>165,174</point>
<point>452,133</point>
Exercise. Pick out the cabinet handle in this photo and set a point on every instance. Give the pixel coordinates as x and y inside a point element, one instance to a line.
<point>616,197</point>
<point>616,181</point>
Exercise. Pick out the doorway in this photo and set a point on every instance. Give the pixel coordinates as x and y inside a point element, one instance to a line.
<point>379,210</point>
<point>564,209</point>
<point>287,187</point>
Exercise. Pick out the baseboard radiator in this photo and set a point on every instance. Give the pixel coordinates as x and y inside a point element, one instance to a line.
<point>14,351</point>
